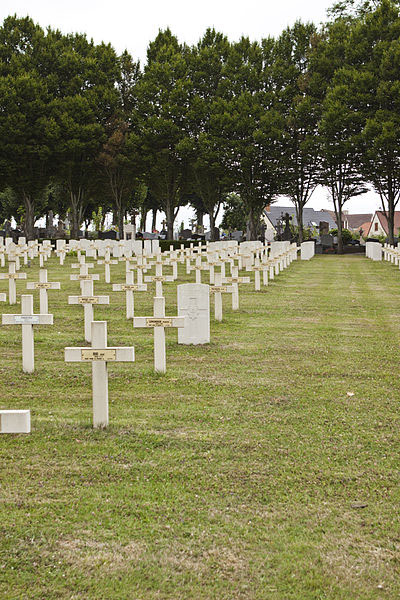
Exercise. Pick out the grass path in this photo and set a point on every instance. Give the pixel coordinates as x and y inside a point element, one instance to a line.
<point>263,466</point>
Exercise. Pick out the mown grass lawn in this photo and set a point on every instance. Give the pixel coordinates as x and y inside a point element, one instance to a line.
<point>263,466</point>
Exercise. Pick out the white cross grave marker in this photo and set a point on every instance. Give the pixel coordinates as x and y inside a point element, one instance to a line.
<point>158,322</point>
<point>234,280</point>
<point>107,262</point>
<point>84,275</point>
<point>129,287</point>
<point>99,355</point>
<point>43,285</point>
<point>159,278</point>
<point>12,276</point>
<point>218,289</point>
<point>87,300</point>
<point>27,319</point>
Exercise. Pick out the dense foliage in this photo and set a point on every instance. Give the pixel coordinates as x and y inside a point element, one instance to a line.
<point>83,128</point>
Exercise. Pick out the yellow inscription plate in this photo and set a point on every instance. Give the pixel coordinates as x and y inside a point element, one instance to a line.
<point>42,286</point>
<point>158,278</point>
<point>84,277</point>
<point>218,288</point>
<point>88,300</point>
<point>158,322</point>
<point>130,287</point>
<point>102,354</point>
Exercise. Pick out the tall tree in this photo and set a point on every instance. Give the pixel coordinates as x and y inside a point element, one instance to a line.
<point>87,76</point>
<point>120,157</point>
<point>300,108</point>
<point>251,126</point>
<point>373,82</point>
<point>27,129</point>
<point>341,151</point>
<point>205,145</point>
<point>163,97</point>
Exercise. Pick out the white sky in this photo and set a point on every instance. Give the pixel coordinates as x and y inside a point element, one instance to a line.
<point>132,25</point>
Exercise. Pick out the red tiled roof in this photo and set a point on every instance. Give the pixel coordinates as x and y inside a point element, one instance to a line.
<point>357,221</point>
<point>383,221</point>
<point>365,228</point>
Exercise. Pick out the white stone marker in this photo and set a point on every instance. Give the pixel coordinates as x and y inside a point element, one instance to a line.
<point>199,267</point>
<point>43,285</point>
<point>158,322</point>
<point>257,268</point>
<point>27,319</point>
<point>87,300</point>
<point>159,278</point>
<point>307,250</point>
<point>194,304</point>
<point>234,281</point>
<point>3,297</point>
<point>218,289</point>
<point>15,421</point>
<point>99,355</point>
<point>12,276</point>
<point>107,262</point>
<point>43,255</point>
<point>84,276</point>
<point>129,287</point>
<point>61,252</point>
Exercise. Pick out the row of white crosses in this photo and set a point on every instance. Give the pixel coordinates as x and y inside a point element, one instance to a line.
<point>100,354</point>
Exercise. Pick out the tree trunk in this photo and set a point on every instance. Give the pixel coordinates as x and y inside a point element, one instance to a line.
<point>390,220</point>
<point>253,219</point>
<point>75,222</point>
<point>29,222</point>
<point>199,217</point>
<point>299,216</point>
<point>143,218</point>
<point>212,226</point>
<point>120,219</point>
<point>170,217</point>
<point>76,213</point>
<point>154,220</point>
<point>339,229</point>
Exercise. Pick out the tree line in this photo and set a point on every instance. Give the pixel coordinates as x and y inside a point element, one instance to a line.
<point>84,130</point>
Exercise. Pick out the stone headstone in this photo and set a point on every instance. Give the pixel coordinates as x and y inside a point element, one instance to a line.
<point>194,304</point>
<point>327,240</point>
<point>307,250</point>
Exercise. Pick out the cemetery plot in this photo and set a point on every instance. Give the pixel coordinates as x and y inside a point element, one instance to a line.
<point>248,440</point>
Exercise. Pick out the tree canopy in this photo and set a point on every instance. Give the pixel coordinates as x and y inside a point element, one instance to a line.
<point>218,124</point>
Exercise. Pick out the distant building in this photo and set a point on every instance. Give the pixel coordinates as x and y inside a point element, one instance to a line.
<point>379,224</point>
<point>272,215</point>
<point>354,223</point>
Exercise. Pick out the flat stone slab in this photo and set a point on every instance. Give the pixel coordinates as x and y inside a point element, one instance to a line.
<point>15,421</point>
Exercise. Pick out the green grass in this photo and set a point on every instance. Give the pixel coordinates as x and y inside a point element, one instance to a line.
<point>239,474</point>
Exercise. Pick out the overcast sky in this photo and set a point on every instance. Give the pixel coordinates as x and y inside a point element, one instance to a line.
<point>132,25</point>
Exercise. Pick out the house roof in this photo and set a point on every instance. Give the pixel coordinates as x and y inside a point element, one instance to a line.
<point>383,221</point>
<point>310,216</point>
<point>365,228</point>
<point>357,221</point>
